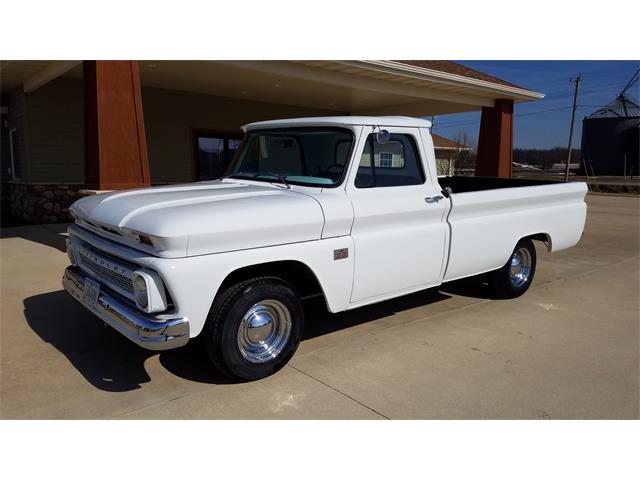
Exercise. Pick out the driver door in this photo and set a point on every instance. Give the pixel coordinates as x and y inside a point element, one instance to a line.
<point>399,229</point>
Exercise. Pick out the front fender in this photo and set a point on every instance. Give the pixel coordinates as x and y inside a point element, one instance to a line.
<point>193,282</point>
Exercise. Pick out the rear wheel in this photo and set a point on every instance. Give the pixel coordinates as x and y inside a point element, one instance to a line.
<point>515,277</point>
<point>254,328</point>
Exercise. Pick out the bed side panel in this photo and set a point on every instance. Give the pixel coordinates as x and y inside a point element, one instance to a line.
<point>486,225</point>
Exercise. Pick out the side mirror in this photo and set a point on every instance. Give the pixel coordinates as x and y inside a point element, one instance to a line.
<point>383,136</point>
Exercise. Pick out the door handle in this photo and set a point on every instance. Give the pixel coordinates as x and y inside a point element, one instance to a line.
<point>435,199</point>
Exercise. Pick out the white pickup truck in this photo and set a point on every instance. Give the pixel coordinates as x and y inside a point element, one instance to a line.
<point>347,207</point>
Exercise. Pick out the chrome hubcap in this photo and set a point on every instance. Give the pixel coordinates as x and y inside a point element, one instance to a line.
<point>520,267</point>
<point>264,331</point>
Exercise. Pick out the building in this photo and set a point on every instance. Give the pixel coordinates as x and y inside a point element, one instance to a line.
<point>611,139</point>
<point>449,154</point>
<point>71,126</point>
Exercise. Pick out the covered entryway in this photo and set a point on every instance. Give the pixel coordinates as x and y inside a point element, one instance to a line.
<point>105,125</point>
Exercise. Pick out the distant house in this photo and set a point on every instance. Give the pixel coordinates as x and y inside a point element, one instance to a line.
<point>448,152</point>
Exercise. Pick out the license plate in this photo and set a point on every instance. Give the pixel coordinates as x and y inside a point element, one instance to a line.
<point>91,293</point>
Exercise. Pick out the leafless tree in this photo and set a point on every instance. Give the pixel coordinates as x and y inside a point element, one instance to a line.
<point>461,159</point>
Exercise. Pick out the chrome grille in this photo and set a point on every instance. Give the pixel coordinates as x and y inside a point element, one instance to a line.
<point>99,264</point>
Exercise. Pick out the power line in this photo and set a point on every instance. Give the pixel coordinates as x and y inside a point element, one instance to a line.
<point>590,90</point>
<point>557,95</point>
<point>525,114</point>
<point>633,80</point>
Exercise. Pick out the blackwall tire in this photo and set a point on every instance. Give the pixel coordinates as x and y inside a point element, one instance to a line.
<point>254,328</point>
<point>515,277</point>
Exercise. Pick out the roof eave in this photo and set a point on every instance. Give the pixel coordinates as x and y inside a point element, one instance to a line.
<point>452,148</point>
<point>412,71</point>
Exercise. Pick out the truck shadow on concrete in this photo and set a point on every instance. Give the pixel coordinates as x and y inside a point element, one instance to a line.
<point>112,363</point>
<point>100,354</point>
<point>473,287</point>
<point>318,321</point>
<point>51,235</point>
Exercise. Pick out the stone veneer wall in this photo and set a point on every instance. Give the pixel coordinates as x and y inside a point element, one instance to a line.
<point>43,203</point>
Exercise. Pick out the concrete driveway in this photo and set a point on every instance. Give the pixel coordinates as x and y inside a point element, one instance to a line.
<point>569,348</point>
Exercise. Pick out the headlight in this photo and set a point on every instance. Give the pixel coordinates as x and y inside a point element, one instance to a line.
<point>71,253</point>
<point>140,291</point>
<point>149,291</point>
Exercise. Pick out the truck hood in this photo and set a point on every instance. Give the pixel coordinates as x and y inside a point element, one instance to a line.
<point>203,218</point>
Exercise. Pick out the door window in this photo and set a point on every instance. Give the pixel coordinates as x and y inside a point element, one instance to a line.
<point>392,164</point>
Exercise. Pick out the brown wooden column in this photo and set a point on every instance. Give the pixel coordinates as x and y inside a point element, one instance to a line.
<point>116,144</point>
<point>495,143</point>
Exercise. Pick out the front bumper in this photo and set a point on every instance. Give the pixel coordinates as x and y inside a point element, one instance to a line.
<point>147,331</point>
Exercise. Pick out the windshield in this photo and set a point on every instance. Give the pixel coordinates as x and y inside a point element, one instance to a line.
<point>300,156</point>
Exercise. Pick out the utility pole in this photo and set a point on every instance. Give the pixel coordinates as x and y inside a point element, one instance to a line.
<point>573,118</point>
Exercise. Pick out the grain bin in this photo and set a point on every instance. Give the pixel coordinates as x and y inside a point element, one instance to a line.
<point>611,138</point>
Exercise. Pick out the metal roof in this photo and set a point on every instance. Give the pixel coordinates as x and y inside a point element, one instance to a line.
<point>444,143</point>
<point>621,107</point>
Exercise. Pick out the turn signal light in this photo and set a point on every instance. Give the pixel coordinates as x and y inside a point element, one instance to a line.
<point>146,240</point>
<point>71,253</point>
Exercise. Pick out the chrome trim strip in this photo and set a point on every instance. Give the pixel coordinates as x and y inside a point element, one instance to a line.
<point>107,245</point>
<point>91,235</point>
<point>144,330</point>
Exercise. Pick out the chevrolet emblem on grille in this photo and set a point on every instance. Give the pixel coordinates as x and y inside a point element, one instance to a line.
<point>102,261</point>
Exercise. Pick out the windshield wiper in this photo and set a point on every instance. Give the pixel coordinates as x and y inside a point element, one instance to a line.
<point>281,178</point>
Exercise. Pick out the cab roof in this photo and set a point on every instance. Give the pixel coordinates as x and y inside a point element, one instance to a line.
<point>338,121</point>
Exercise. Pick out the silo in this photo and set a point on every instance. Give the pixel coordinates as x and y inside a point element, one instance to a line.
<point>611,140</point>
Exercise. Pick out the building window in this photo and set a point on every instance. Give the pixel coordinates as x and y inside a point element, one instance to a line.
<point>386,160</point>
<point>14,154</point>
<point>214,152</point>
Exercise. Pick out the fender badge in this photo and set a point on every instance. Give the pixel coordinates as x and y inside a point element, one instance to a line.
<point>340,253</point>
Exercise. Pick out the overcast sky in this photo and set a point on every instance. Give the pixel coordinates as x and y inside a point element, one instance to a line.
<point>601,83</point>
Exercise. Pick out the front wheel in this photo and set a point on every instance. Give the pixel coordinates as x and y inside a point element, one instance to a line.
<point>254,328</point>
<point>515,277</point>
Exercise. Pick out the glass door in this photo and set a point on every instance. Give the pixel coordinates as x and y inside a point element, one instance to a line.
<point>214,152</point>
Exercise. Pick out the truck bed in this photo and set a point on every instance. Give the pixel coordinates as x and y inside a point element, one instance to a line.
<point>459,184</point>
<point>489,215</point>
